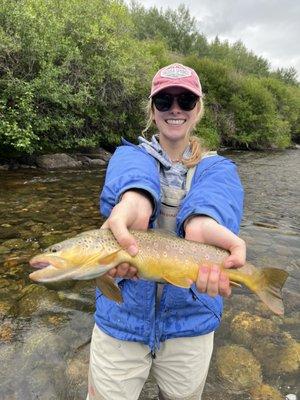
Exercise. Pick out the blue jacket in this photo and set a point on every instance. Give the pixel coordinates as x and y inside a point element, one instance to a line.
<point>215,191</point>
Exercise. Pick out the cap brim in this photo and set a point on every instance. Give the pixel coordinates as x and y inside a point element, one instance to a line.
<point>167,85</point>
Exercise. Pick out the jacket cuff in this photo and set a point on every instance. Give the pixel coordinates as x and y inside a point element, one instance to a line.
<point>206,211</point>
<point>153,197</point>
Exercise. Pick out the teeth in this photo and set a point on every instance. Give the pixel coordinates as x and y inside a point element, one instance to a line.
<point>175,121</point>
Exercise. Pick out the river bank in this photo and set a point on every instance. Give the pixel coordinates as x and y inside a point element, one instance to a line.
<point>88,158</point>
<point>82,159</point>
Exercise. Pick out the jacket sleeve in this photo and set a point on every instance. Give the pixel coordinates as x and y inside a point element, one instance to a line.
<point>130,168</point>
<point>217,192</point>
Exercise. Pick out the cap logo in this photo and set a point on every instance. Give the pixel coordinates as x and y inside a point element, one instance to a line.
<point>175,72</point>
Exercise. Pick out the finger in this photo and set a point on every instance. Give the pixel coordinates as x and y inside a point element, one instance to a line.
<point>131,273</point>
<point>224,286</point>
<point>112,272</point>
<point>202,278</point>
<point>123,236</point>
<point>122,270</point>
<point>237,257</point>
<point>213,281</point>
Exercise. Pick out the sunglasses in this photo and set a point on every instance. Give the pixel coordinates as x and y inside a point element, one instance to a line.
<point>164,101</point>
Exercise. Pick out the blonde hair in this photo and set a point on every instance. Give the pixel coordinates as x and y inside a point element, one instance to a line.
<point>196,146</point>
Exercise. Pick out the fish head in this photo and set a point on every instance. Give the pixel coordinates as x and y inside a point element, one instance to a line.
<point>77,258</point>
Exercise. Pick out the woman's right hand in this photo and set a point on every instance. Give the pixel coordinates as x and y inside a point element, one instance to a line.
<point>132,212</point>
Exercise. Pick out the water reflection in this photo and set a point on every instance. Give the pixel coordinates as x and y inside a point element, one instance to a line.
<point>45,330</point>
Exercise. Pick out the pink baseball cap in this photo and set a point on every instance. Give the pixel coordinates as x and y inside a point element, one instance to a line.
<point>176,75</point>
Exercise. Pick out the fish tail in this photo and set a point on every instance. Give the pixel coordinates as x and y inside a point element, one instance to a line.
<point>267,284</point>
<point>269,290</point>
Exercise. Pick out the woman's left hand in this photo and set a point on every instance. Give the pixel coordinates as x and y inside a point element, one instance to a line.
<point>211,279</point>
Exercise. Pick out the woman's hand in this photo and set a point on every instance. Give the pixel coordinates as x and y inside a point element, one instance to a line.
<point>204,229</point>
<point>132,212</point>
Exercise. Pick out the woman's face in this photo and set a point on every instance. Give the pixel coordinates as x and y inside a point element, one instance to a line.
<point>175,124</point>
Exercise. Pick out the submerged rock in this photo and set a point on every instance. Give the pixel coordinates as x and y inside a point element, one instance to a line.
<point>77,373</point>
<point>36,299</point>
<point>7,307</point>
<point>6,332</point>
<point>265,392</point>
<point>278,354</point>
<point>246,328</point>
<point>238,368</point>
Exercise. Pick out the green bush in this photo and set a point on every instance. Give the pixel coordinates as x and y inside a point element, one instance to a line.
<point>71,73</point>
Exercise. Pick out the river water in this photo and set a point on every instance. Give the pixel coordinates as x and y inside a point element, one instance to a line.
<point>45,330</point>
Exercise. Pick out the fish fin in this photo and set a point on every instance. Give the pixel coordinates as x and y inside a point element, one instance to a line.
<point>180,281</point>
<point>269,291</point>
<point>267,284</point>
<point>109,288</point>
<point>235,284</point>
<point>99,260</point>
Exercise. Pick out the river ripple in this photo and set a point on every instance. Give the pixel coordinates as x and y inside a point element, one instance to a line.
<point>45,331</point>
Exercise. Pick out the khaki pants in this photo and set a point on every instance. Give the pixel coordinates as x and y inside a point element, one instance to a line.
<point>119,369</point>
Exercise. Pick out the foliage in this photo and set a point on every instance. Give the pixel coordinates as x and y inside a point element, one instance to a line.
<point>77,73</point>
<point>71,73</point>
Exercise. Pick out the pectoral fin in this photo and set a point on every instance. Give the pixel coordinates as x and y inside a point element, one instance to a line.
<point>180,281</point>
<point>234,284</point>
<point>109,288</point>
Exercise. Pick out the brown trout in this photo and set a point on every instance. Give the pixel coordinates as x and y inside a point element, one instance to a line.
<point>162,257</point>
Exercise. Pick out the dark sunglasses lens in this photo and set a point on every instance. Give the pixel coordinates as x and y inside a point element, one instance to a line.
<point>163,102</point>
<point>187,101</point>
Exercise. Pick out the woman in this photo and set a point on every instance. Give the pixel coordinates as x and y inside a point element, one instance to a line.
<point>171,183</point>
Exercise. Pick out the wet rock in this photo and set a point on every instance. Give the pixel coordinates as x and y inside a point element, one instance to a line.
<point>90,162</point>
<point>15,244</point>
<point>44,346</point>
<point>6,308</point>
<point>50,239</point>
<point>3,250</point>
<point>95,153</point>
<point>60,285</point>
<point>9,286</point>
<point>265,392</point>
<point>240,302</point>
<point>36,300</point>
<point>77,372</point>
<point>246,328</point>
<point>238,368</point>
<point>6,332</point>
<point>278,354</point>
<point>55,320</point>
<point>9,232</point>
<point>57,161</point>
<point>4,167</point>
<point>46,383</point>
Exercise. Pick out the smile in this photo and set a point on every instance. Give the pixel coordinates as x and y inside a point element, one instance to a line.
<point>175,121</point>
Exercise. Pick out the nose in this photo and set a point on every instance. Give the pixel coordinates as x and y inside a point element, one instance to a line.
<point>175,106</point>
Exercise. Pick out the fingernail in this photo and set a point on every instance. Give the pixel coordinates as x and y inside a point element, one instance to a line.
<point>132,250</point>
<point>204,270</point>
<point>229,264</point>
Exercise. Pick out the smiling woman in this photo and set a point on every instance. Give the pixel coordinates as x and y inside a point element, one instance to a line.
<point>169,183</point>
<point>178,105</point>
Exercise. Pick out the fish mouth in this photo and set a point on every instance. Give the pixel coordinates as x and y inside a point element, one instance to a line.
<point>49,268</point>
<point>39,264</point>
